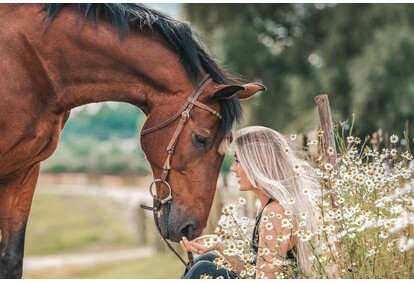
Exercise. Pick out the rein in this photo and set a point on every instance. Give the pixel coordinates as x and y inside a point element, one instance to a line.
<point>184,112</point>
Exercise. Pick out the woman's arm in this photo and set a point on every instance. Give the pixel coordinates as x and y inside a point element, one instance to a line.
<point>275,241</point>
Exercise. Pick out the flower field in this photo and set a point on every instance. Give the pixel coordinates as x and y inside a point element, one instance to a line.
<point>365,210</point>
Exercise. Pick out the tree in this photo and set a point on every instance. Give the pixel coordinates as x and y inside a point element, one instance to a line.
<point>359,54</point>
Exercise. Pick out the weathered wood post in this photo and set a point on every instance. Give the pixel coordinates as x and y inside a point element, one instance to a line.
<point>148,234</point>
<point>328,138</point>
<point>142,225</point>
<point>325,117</point>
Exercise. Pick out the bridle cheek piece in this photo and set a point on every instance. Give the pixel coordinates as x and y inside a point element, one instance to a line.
<point>184,112</point>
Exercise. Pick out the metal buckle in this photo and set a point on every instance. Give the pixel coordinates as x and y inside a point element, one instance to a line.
<point>168,198</point>
<point>185,115</point>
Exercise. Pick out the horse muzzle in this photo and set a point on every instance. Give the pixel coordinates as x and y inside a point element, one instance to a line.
<point>174,226</point>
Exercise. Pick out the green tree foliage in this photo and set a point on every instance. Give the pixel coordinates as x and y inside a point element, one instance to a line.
<point>101,139</point>
<point>103,121</point>
<point>359,54</point>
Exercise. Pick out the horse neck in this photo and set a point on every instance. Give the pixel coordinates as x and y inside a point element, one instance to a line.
<point>86,63</point>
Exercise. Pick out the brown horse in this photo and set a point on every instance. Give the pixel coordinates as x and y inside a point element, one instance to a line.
<point>56,57</point>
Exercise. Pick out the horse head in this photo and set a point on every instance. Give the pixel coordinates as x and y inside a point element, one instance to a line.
<point>186,152</point>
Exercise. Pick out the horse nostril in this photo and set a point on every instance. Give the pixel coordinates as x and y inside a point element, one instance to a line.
<point>188,230</point>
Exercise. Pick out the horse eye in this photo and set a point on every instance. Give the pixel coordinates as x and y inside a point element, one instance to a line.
<point>200,140</point>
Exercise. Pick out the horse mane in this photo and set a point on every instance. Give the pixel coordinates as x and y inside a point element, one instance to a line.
<point>179,34</point>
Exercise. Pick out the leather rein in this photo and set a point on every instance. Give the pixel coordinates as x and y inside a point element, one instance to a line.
<point>184,112</point>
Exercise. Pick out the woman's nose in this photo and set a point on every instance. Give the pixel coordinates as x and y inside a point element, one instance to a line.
<point>233,167</point>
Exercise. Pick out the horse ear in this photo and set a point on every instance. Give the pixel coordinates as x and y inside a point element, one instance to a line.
<point>250,90</point>
<point>242,91</point>
<point>226,91</point>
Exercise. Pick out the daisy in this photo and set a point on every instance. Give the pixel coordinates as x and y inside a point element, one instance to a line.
<point>304,214</point>
<point>269,226</point>
<point>394,139</point>
<point>383,234</point>
<point>313,142</point>
<point>271,214</point>
<point>286,223</point>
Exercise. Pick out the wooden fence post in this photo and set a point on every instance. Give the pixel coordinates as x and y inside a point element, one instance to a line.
<point>328,139</point>
<point>148,234</point>
<point>322,101</point>
<point>142,225</point>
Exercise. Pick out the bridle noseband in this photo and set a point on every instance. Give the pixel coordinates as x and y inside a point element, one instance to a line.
<point>184,112</point>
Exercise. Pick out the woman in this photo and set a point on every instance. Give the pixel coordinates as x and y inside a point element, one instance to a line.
<point>283,183</point>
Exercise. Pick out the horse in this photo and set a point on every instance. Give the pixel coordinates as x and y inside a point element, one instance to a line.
<point>56,57</point>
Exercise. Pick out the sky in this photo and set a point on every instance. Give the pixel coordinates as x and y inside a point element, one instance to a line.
<point>172,9</point>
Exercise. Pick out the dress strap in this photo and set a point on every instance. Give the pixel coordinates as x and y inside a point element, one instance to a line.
<point>259,215</point>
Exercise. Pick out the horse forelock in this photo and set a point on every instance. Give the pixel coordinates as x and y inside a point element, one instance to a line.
<point>225,144</point>
<point>185,42</point>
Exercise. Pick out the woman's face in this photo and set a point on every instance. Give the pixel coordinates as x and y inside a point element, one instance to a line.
<point>236,168</point>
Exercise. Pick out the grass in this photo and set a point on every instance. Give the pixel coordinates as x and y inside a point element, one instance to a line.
<point>62,224</point>
<point>72,224</point>
<point>161,266</point>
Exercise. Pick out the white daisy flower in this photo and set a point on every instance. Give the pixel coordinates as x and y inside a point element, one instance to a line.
<point>328,166</point>
<point>286,223</point>
<point>296,167</point>
<point>242,200</point>
<point>383,234</point>
<point>350,139</point>
<point>313,142</point>
<point>394,139</point>
<point>271,214</point>
<point>269,226</point>
<point>304,215</point>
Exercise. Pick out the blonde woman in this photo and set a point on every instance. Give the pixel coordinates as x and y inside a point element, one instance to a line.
<point>283,183</point>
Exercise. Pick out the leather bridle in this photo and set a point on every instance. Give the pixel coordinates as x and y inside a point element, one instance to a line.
<point>184,112</point>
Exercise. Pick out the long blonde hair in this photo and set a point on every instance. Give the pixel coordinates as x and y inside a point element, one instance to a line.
<point>275,167</point>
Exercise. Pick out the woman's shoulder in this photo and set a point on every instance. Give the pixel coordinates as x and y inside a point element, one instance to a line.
<point>274,207</point>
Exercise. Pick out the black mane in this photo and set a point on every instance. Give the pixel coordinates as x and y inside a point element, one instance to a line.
<point>179,34</point>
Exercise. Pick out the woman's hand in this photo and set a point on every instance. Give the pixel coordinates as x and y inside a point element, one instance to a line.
<point>199,245</point>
